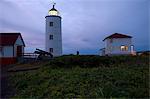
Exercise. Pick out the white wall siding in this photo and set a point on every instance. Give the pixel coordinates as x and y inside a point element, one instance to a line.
<point>18,43</point>
<point>114,46</point>
<point>55,30</point>
<point>11,51</point>
<point>102,52</point>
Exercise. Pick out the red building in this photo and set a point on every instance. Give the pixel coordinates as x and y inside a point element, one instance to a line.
<point>11,47</point>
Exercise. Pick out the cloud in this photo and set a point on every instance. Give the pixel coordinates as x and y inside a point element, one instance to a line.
<point>15,18</point>
<point>85,23</point>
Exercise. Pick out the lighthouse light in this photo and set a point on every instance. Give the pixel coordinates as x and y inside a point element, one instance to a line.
<point>55,13</point>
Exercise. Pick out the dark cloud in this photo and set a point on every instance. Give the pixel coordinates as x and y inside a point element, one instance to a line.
<point>85,23</point>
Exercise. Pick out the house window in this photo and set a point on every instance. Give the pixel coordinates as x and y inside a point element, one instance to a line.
<point>124,48</point>
<point>50,23</point>
<point>51,50</point>
<point>51,37</point>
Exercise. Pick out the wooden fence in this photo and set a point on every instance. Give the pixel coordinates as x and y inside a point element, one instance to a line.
<point>29,55</point>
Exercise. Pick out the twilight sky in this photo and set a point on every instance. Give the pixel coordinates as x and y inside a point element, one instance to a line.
<point>85,23</point>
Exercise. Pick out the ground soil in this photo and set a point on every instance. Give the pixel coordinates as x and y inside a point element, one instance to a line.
<point>6,91</point>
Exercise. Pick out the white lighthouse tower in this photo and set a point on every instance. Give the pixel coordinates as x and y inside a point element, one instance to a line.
<point>53,32</point>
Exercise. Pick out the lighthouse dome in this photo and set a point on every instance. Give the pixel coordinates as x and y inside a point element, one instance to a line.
<point>53,11</point>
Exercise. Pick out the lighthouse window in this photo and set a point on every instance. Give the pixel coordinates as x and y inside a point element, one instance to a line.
<point>51,37</point>
<point>50,23</point>
<point>51,50</point>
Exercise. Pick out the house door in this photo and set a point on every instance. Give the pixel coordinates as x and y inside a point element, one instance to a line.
<point>19,50</point>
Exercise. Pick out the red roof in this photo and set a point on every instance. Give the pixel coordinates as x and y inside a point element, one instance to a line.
<point>9,38</point>
<point>117,35</point>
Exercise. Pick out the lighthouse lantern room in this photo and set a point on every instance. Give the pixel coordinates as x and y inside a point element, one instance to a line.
<point>53,11</point>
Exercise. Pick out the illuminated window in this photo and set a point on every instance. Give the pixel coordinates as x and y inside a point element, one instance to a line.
<point>50,23</point>
<point>51,37</point>
<point>55,13</point>
<point>51,50</point>
<point>124,48</point>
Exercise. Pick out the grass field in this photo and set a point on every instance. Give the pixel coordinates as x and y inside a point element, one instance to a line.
<point>85,77</point>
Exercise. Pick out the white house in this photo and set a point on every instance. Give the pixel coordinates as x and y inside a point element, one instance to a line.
<point>118,44</point>
<point>11,47</point>
<point>53,35</point>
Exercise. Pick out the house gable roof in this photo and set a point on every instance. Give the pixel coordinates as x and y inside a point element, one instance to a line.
<point>117,35</point>
<point>9,38</point>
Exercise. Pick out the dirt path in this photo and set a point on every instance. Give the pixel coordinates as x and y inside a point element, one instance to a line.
<point>6,91</point>
<point>5,71</point>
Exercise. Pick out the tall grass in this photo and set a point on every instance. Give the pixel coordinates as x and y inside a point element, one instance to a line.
<point>86,77</point>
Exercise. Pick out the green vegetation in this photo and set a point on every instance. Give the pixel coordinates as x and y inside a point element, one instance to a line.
<point>85,77</point>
